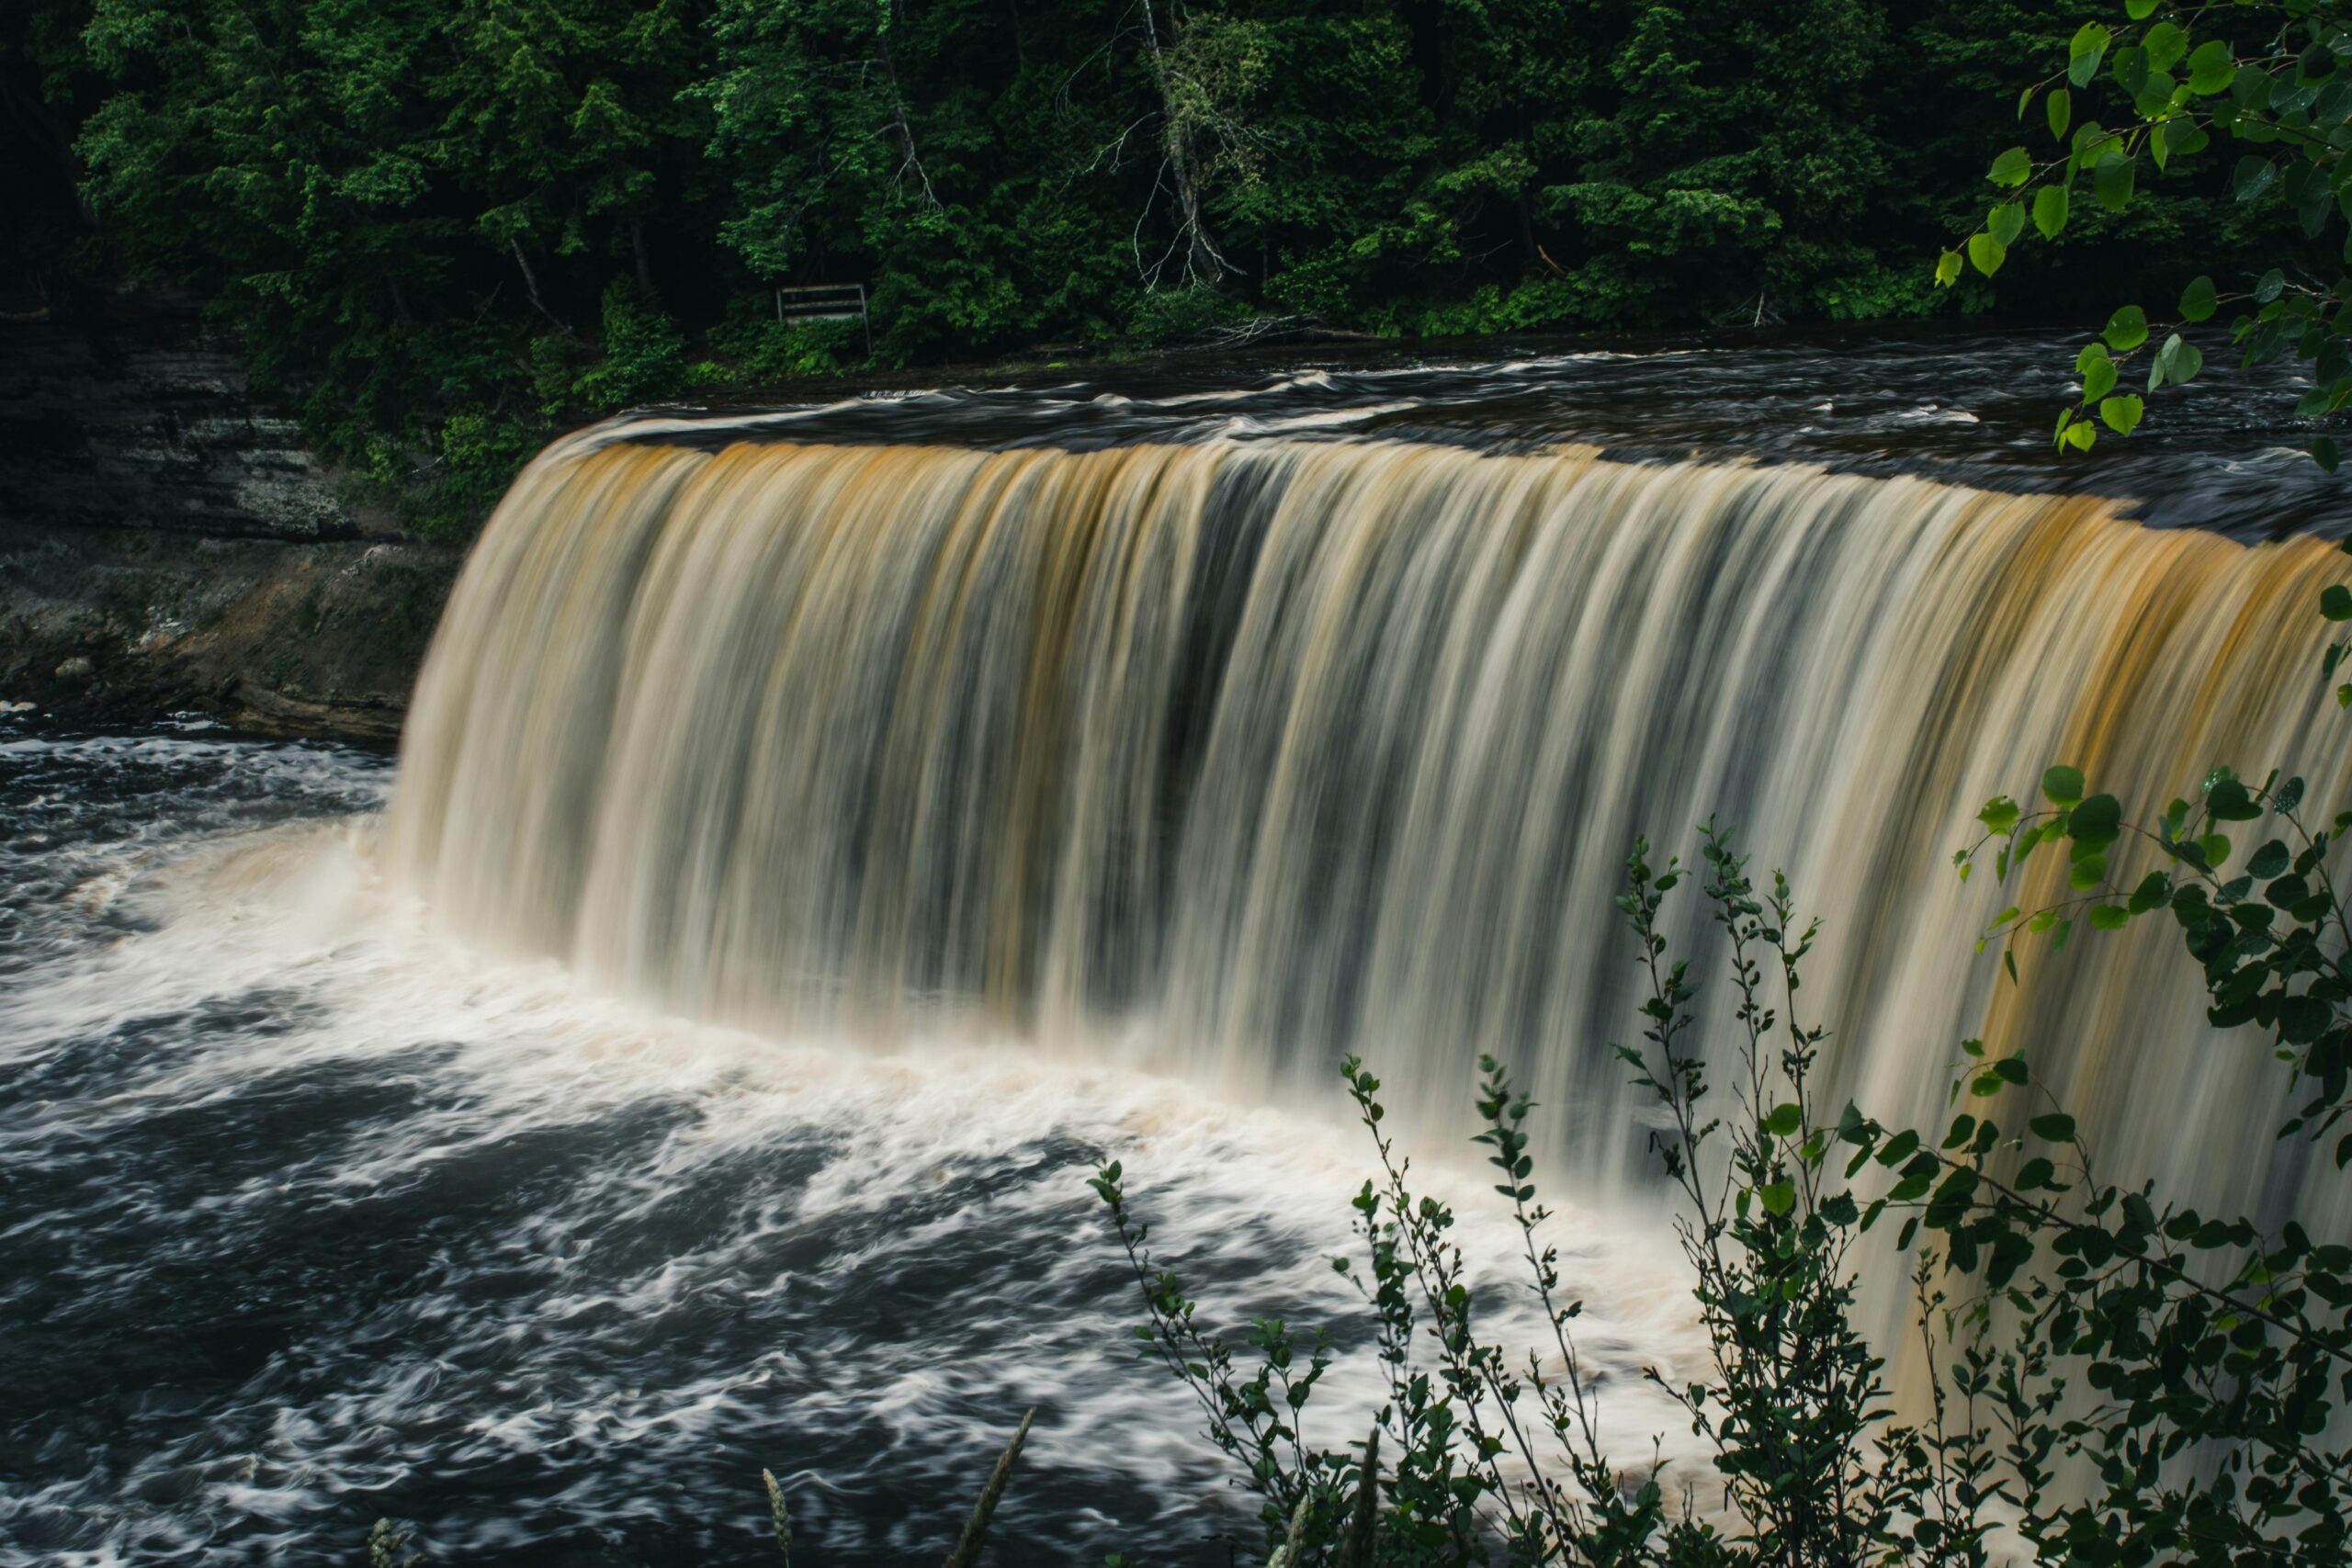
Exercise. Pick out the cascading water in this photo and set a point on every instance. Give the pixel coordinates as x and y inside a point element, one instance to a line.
<point>1248,755</point>
<point>809,822</point>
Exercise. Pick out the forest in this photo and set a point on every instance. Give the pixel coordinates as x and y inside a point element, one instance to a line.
<point>448,227</point>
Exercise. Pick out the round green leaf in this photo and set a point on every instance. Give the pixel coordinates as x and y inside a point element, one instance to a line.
<point>2211,69</point>
<point>2121,414</point>
<point>2060,108</point>
<point>2129,68</point>
<point>2013,167</point>
<point>2127,329</point>
<point>1987,252</point>
<point>2063,785</point>
<point>2097,819</point>
<point>2229,801</point>
<point>2335,602</point>
<point>2049,210</point>
<point>2006,222</point>
<point>2099,379</point>
<point>2198,300</point>
<point>2178,361</point>
<point>1948,269</point>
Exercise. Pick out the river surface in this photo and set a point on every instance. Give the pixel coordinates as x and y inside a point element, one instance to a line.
<point>338,1184</point>
<point>309,1217</point>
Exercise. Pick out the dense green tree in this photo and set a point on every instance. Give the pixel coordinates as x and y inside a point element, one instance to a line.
<point>450,225</point>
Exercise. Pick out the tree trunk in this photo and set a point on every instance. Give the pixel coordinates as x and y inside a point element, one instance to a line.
<point>644,261</point>
<point>1201,261</point>
<point>531,283</point>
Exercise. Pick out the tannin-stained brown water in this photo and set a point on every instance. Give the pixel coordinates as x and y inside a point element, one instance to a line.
<point>1235,758</point>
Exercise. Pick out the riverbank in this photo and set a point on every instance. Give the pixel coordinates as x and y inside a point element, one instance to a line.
<point>169,542</point>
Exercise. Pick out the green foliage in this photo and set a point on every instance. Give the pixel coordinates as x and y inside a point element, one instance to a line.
<point>779,1516</point>
<point>387,1546</point>
<point>2115,1378</point>
<point>2260,87</point>
<point>425,214</point>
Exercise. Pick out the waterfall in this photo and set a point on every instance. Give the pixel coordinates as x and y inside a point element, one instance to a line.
<point>1240,755</point>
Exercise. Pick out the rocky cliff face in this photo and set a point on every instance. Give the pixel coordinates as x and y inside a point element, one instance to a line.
<point>166,542</point>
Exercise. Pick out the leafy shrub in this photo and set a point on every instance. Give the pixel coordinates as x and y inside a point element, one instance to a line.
<point>2114,1379</point>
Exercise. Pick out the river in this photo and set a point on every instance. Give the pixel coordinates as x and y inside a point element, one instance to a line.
<point>823,833</point>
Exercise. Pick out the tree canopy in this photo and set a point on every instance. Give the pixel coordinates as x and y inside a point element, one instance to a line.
<point>449,224</point>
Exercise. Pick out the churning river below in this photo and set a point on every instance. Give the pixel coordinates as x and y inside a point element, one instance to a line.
<point>311,1216</point>
<point>821,835</point>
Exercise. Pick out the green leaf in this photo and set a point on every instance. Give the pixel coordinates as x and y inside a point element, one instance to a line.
<point>2013,167</point>
<point>1784,1120</point>
<point>2099,379</point>
<point>2111,180</point>
<point>2273,284</point>
<point>2127,329</point>
<point>2060,108</point>
<point>2129,68</point>
<point>2121,414</point>
<point>2084,53</point>
<point>2165,43</point>
<point>1987,254</point>
<point>2211,69</point>
<point>2049,210</point>
<point>1947,269</point>
<point>2109,917</point>
<point>2000,814</point>
<point>2079,436</point>
<point>2176,361</point>
<point>2251,177</point>
<point>2006,222</point>
<point>2063,785</point>
<point>2229,801</point>
<point>2198,300</point>
<point>2138,10</point>
<point>2055,1128</point>
<point>2324,452</point>
<point>2096,819</point>
<point>2335,602</point>
<point>1779,1198</point>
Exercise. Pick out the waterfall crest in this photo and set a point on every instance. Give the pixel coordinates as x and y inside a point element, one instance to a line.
<point>1246,754</point>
